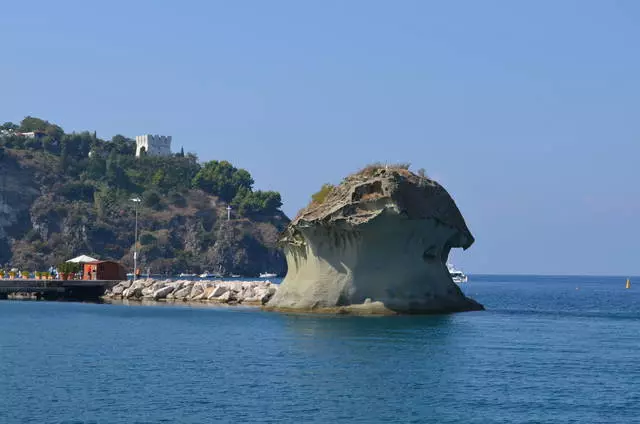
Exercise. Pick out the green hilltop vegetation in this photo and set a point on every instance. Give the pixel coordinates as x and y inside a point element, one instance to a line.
<point>76,199</point>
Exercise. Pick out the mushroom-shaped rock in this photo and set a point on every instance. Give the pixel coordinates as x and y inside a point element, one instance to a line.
<point>383,234</point>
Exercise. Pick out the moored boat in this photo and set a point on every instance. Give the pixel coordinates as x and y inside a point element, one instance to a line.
<point>457,275</point>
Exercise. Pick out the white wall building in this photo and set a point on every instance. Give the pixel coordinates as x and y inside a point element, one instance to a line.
<point>31,134</point>
<point>154,145</point>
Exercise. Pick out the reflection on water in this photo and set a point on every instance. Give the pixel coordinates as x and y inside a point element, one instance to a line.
<point>367,327</point>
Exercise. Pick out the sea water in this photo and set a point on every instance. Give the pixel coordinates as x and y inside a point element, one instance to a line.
<point>546,350</point>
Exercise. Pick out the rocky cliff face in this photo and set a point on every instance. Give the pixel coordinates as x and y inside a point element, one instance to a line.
<point>377,243</point>
<point>18,191</point>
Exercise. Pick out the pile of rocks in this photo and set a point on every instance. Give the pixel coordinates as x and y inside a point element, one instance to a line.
<point>232,292</point>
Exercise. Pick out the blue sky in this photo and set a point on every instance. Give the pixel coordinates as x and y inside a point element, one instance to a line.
<point>527,112</point>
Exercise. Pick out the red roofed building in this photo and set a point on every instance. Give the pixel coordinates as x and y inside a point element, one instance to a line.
<point>104,270</point>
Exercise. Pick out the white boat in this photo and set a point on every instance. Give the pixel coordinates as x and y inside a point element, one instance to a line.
<point>218,274</point>
<point>268,275</point>
<point>457,275</point>
<point>206,275</point>
<point>183,275</point>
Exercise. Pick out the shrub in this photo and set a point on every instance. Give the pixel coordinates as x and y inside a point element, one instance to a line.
<point>68,268</point>
<point>373,167</point>
<point>147,238</point>
<point>177,200</point>
<point>321,195</point>
<point>77,191</point>
<point>152,200</point>
<point>31,236</point>
<point>33,144</point>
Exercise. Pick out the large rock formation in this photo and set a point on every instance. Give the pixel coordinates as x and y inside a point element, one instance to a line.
<point>377,243</point>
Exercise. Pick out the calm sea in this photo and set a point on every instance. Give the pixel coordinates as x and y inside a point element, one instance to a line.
<point>547,350</point>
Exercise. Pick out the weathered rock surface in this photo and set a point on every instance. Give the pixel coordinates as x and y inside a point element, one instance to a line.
<point>134,290</point>
<point>377,243</point>
<point>217,292</point>
<point>118,290</point>
<point>162,293</point>
<point>183,293</point>
<point>232,292</point>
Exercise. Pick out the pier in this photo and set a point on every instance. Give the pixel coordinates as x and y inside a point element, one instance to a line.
<point>86,290</point>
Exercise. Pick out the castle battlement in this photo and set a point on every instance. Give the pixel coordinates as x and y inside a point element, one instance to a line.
<point>154,145</point>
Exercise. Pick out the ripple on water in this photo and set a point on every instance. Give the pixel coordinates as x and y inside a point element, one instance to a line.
<point>541,353</point>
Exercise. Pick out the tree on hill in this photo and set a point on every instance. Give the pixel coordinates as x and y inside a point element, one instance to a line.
<point>78,145</point>
<point>31,123</point>
<point>115,174</point>
<point>164,174</point>
<point>96,168</point>
<point>81,159</point>
<point>248,202</point>
<point>222,179</point>
<point>64,159</point>
<point>9,126</point>
<point>122,145</point>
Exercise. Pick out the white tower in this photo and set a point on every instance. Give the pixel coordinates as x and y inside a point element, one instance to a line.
<point>154,145</point>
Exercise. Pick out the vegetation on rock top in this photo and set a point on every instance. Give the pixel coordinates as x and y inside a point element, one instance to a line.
<point>328,191</point>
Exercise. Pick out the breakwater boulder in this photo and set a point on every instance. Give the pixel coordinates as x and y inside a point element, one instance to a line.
<point>376,243</point>
<point>230,292</point>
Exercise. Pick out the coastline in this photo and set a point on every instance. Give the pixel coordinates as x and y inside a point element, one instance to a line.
<point>186,303</point>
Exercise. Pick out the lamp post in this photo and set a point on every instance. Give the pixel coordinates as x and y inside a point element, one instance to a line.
<point>135,201</point>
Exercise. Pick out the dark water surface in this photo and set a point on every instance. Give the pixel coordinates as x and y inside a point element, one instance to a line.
<point>547,350</point>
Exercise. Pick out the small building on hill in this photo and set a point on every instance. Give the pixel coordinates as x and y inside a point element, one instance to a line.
<point>153,145</point>
<point>31,134</point>
<point>104,270</point>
